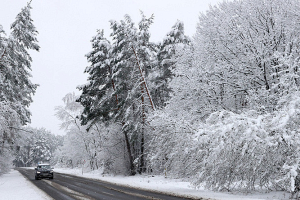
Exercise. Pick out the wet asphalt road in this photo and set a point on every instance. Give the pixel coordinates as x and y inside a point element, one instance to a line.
<point>68,187</point>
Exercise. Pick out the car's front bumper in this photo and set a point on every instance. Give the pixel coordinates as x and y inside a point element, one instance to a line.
<point>44,175</point>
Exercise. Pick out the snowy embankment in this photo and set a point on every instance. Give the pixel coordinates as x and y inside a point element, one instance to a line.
<point>171,186</point>
<point>14,186</point>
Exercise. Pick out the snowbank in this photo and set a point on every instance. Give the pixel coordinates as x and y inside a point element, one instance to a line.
<point>14,186</point>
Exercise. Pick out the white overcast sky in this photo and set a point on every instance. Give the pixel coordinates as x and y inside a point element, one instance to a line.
<point>65,29</point>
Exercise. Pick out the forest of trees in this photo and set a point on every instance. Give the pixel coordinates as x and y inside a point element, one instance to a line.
<point>220,109</point>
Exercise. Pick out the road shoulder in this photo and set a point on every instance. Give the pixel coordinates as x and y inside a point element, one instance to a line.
<point>14,185</point>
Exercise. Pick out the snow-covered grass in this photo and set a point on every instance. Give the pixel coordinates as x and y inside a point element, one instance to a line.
<point>14,186</point>
<point>171,186</point>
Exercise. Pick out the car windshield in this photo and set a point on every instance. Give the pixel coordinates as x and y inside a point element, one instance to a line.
<point>44,167</point>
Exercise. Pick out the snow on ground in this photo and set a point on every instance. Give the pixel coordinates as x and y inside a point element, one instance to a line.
<point>14,186</point>
<point>172,186</point>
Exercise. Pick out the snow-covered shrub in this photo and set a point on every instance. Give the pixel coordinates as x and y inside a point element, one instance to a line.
<point>235,152</point>
<point>231,151</point>
<point>113,156</point>
<point>6,159</point>
<point>72,153</point>
<point>171,149</point>
<point>8,119</point>
<point>249,150</point>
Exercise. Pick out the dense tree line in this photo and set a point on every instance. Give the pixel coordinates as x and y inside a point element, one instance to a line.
<point>36,145</point>
<point>219,109</point>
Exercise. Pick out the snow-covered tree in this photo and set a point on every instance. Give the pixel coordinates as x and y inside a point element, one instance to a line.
<point>166,62</point>
<point>34,145</point>
<point>76,140</point>
<point>239,43</point>
<point>16,88</point>
<point>117,90</point>
<point>97,96</point>
<point>41,150</point>
<point>231,118</point>
<point>93,146</point>
<point>15,85</point>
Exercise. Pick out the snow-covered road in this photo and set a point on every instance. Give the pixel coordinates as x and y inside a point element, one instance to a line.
<point>14,186</point>
<point>173,186</point>
<point>69,187</point>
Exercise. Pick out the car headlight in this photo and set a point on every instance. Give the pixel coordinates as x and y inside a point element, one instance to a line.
<point>51,171</point>
<point>38,172</point>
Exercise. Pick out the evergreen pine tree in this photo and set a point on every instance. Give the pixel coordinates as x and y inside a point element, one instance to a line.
<point>166,62</point>
<point>145,53</point>
<point>97,95</point>
<point>117,91</point>
<point>124,35</point>
<point>16,89</point>
<point>16,86</point>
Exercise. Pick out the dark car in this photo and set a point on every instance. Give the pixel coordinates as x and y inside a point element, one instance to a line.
<point>43,171</point>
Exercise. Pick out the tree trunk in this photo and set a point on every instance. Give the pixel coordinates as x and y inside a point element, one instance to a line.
<point>142,160</point>
<point>114,87</point>
<point>128,147</point>
<point>265,77</point>
<point>143,79</point>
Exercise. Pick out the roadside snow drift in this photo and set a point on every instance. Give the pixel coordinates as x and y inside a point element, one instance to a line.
<point>14,186</point>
